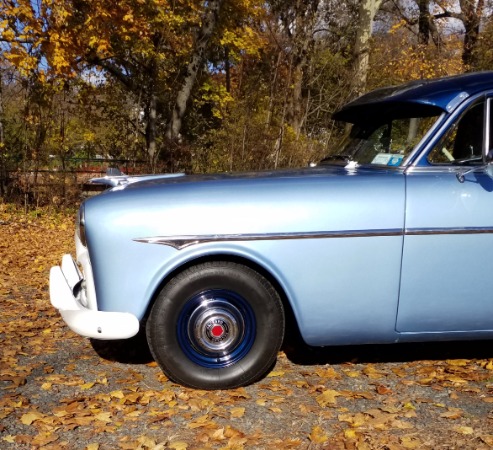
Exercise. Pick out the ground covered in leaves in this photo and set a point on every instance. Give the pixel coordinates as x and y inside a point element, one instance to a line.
<point>59,391</point>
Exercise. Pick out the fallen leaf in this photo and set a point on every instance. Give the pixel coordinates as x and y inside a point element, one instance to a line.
<point>103,417</point>
<point>452,413</point>
<point>350,433</point>
<point>487,439</point>
<point>237,412</point>
<point>327,398</point>
<point>117,394</point>
<point>355,420</point>
<point>201,422</point>
<point>317,436</point>
<point>372,373</point>
<point>43,439</point>
<point>178,445</point>
<point>30,417</point>
<point>457,362</point>
<point>328,372</point>
<point>352,373</point>
<point>410,442</point>
<point>277,373</point>
<point>382,390</point>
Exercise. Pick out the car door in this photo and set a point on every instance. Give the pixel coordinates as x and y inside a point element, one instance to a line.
<point>446,282</point>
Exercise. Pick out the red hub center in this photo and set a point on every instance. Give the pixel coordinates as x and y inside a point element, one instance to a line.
<point>217,331</point>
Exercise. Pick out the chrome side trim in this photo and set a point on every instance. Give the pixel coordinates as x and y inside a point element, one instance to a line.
<point>181,242</point>
<point>441,231</point>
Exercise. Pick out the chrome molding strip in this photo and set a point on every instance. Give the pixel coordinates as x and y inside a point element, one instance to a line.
<point>442,231</point>
<point>181,242</point>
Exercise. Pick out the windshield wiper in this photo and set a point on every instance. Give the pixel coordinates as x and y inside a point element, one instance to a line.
<point>339,158</point>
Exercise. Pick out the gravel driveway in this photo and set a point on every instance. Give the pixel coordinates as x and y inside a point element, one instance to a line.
<point>59,390</point>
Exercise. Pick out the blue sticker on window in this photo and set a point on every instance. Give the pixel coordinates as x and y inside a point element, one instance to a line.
<point>395,160</point>
<point>388,159</point>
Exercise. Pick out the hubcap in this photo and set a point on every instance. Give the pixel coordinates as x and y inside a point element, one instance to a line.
<point>216,328</point>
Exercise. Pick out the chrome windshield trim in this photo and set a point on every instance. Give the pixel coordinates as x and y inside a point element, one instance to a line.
<point>181,242</point>
<point>411,159</point>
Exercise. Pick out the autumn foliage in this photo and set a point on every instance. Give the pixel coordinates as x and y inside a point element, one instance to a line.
<point>248,84</point>
<point>57,392</point>
<point>209,86</point>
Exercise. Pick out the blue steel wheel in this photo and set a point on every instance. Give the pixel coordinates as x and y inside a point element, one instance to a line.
<point>217,325</point>
<point>216,328</point>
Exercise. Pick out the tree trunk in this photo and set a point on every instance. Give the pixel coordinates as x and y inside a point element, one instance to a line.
<point>273,91</point>
<point>209,22</point>
<point>303,41</point>
<point>227,69</point>
<point>3,169</point>
<point>297,98</point>
<point>471,18</point>
<point>424,22</point>
<point>367,11</point>
<point>150,131</point>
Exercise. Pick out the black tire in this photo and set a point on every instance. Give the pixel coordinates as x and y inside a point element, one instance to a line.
<point>217,325</point>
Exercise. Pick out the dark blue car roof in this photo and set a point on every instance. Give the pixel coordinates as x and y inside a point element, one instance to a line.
<point>421,97</point>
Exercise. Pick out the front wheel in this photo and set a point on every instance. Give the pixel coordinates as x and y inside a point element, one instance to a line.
<point>217,325</point>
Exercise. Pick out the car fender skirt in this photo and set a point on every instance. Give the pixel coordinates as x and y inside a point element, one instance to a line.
<point>101,324</point>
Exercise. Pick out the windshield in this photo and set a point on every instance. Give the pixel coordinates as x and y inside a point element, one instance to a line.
<point>385,143</point>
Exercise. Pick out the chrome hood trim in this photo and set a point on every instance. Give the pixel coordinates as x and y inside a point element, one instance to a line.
<point>123,180</point>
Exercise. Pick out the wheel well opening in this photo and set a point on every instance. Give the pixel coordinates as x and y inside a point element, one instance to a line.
<point>292,333</point>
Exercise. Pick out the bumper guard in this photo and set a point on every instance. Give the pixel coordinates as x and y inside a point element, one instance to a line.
<point>66,287</point>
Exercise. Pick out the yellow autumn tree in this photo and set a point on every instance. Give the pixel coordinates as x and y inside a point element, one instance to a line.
<point>397,57</point>
<point>156,49</point>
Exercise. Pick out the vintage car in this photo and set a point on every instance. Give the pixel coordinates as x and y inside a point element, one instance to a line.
<point>389,240</point>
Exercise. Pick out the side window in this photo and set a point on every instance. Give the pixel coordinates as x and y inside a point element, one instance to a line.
<point>463,142</point>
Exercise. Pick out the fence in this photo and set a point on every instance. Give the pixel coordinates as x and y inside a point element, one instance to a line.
<point>60,183</point>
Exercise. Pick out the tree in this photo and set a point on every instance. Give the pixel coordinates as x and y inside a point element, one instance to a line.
<point>430,17</point>
<point>366,15</point>
<point>3,169</point>
<point>201,41</point>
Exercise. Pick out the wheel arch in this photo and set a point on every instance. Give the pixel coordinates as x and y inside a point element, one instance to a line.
<point>292,328</point>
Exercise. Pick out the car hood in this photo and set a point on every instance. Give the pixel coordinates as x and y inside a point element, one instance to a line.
<point>287,201</point>
<point>156,181</point>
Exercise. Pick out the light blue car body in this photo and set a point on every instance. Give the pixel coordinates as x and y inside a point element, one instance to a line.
<point>361,254</point>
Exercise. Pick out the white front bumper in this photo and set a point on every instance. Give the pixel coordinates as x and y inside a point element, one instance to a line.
<point>66,293</point>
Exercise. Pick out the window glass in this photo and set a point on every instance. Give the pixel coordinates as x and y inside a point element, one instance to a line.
<point>386,143</point>
<point>462,144</point>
